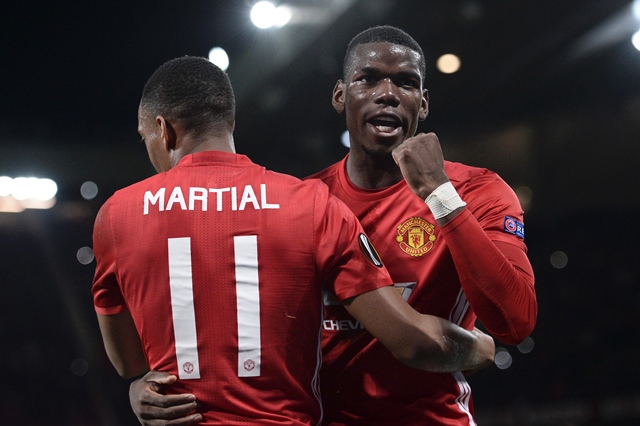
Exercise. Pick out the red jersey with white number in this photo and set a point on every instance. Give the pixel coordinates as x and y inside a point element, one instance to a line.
<point>362,383</point>
<point>222,265</point>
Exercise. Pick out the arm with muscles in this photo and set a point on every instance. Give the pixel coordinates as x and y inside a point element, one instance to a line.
<point>496,277</point>
<point>425,342</point>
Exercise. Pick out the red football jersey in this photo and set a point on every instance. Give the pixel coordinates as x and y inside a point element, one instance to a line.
<point>362,383</point>
<point>222,265</point>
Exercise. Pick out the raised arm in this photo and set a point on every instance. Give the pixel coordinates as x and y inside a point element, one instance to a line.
<point>421,341</point>
<point>496,276</point>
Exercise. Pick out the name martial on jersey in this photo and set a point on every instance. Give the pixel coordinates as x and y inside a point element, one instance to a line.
<point>232,198</point>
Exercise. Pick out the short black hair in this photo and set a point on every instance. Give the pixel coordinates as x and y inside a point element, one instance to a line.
<point>383,34</point>
<point>192,90</point>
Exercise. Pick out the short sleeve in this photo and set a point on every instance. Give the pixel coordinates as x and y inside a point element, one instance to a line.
<point>107,296</point>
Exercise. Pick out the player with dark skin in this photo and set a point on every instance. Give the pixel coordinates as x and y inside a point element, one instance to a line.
<point>185,134</point>
<point>383,99</point>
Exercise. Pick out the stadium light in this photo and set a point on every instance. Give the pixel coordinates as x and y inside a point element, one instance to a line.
<point>17,194</point>
<point>219,57</point>
<point>635,39</point>
<point>265,15</point>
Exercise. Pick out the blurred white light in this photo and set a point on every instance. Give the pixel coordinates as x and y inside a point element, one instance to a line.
<point>263,14</point>
<point>448,64</point>
<point>283,16</point>
<point>345,139</point>
<point>89,190</point>
<point>85,255</point>
<point>526,345</point>
<point>635,39</point>
<point>636,9</point>
<point>559,259</point>
<point>26,193</point>
<point>23,188</point>
<point>502,359</point>
<point>219,57</point>
<point>45,189</point>
<point>6,186</point>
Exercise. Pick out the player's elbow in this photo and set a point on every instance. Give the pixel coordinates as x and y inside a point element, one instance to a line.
<point>424,354</point>
<point>519,329</point>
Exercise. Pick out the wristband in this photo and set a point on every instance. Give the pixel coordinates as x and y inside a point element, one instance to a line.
<point>443,200</point>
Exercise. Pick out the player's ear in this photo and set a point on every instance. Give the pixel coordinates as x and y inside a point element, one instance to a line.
<point>338,97</point>
<point>167,133</point>
<point>424,105</point>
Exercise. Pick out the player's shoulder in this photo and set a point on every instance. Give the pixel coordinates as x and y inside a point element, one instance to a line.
<point>327,173</point>
<point>479,184</point>
<point>462,174</point>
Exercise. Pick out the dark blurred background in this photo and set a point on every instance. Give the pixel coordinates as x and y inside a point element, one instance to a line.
<point>548,96</point>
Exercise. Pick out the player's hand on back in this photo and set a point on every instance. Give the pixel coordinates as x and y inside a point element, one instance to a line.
<point>153,408</point>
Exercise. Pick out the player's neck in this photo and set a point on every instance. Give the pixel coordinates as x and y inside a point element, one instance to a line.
<point>372,172</point>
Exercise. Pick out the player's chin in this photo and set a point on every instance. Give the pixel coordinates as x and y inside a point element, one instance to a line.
<point>381,150</point>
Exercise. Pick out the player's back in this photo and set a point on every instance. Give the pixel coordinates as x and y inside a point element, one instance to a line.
<point>219,263</point>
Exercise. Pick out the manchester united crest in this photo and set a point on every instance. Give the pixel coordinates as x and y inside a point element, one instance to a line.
<point>416,236</point>
<point>187,367</point>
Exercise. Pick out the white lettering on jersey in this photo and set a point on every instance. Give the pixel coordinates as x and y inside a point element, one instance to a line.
<point>198,194</point>
<point>158,197</point>
<point>341,325</point>
<point>176,197</point>
<point>248,196</point>
<point>198,199</point>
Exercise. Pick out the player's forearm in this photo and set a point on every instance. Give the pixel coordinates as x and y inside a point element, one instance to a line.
<point>458,349</point>
<point>497,281</point>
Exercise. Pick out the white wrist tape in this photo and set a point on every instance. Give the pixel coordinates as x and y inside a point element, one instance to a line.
<point>443,200</point>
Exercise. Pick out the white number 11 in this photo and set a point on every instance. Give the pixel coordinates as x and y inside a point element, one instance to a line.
<point>247,302</point>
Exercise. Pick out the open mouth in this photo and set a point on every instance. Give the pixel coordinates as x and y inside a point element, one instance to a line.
<point>386,124</point>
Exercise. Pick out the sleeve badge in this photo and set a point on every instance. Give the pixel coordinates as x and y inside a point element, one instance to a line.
<point>513,226</point>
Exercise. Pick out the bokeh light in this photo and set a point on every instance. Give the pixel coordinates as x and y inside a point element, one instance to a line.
<point>89,190</point>
<point>448,64</point>
<point>559,259</point>
<point>503,359</point>
<point>85,255</point>
<point>219,57</point>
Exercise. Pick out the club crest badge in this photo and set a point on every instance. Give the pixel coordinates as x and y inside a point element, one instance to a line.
<point>416,236</point>
<point>187,367</point>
